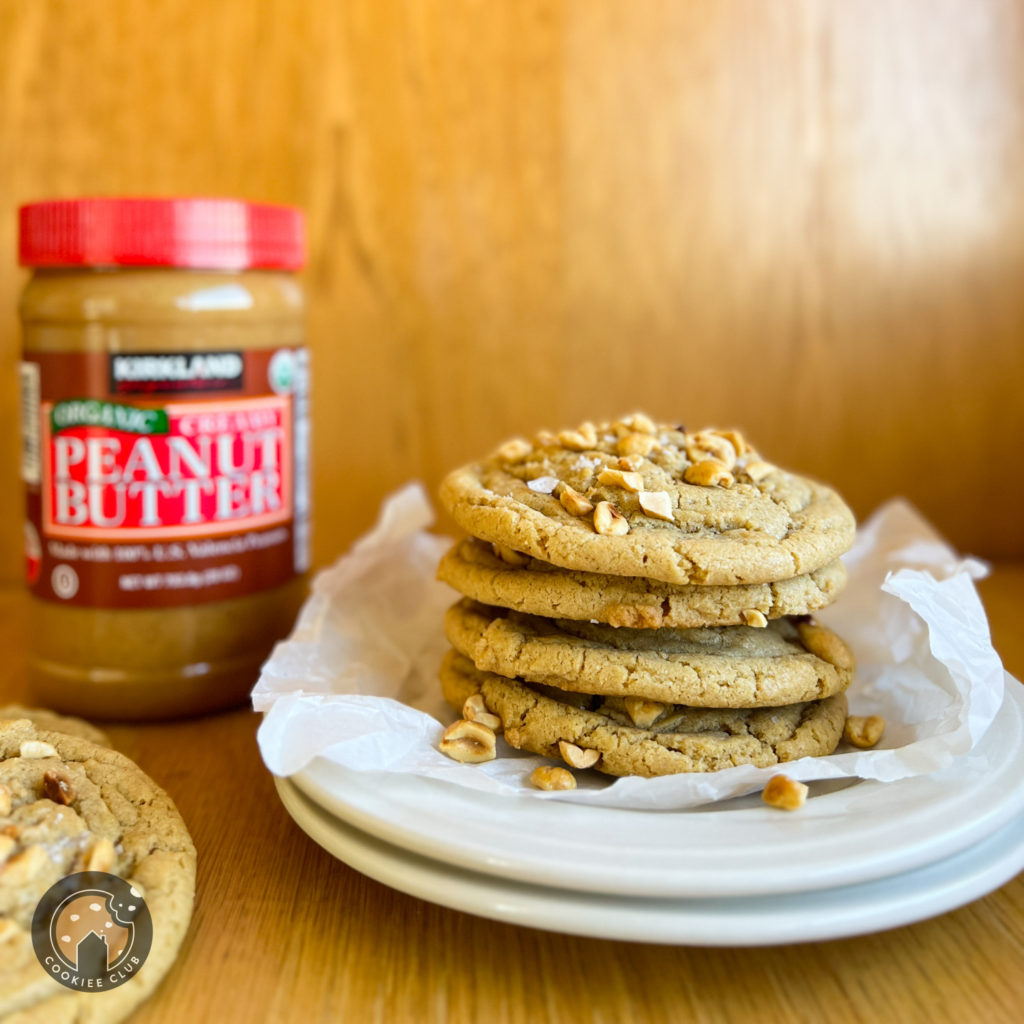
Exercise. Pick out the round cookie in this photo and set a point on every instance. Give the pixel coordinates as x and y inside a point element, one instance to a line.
<point>681,739</point>
<point>525,584</point>
<point>786,662</point>
<point>68,805</point>
<point>699,508</point>
<point>52,722</point>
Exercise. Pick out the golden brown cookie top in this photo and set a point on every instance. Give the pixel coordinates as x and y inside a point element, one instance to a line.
<point>636,498</point>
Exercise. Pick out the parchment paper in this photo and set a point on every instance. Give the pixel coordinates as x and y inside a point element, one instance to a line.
<point>357,680</point>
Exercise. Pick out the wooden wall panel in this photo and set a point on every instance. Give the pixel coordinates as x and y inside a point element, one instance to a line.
<point>804,218</point>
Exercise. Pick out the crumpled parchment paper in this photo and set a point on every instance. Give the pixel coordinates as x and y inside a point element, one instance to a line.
<point>356,682</point>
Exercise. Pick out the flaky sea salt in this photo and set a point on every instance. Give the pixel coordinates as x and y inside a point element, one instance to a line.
<point>543,484</point>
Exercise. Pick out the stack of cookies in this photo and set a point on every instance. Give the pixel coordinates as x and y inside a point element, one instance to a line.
<point>638,599</point>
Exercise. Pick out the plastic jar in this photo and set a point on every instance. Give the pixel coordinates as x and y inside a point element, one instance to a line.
<point>165,449</point>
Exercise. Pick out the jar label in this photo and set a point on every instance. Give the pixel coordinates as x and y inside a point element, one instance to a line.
<point>184,479</point>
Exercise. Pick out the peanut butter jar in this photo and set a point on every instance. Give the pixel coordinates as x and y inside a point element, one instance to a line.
<point>164,408</point>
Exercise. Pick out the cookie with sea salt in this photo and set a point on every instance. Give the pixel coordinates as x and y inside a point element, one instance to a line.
<point>787,661</point>
<point>602,732</point>
<point>69,805</point>
<point>635,498</point>
<point>512,580</point>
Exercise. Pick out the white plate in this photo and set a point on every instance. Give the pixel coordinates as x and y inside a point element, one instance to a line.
<point>756,921</point>
<point>846,834</point>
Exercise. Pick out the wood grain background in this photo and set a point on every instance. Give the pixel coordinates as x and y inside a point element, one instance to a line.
<point>802,218</point>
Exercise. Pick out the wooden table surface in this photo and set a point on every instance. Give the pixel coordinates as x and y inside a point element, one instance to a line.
<point>284,932</point>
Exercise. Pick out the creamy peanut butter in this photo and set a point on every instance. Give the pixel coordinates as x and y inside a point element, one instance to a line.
<point>164,412</point>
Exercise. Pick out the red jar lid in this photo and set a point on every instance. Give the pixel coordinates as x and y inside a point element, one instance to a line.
<point>209,234</point>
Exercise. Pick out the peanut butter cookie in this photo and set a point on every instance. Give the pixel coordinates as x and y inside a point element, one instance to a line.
<point>786,662</point>
<point>642,737</point>
<point>68,805</point>
<point>496,576</point>
<point>635,498</point>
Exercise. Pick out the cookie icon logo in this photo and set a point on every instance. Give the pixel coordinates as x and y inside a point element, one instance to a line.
<point>92,931</point>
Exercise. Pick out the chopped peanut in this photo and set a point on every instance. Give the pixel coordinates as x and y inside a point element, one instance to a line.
<point>609,521</point>
<point>577,757</point>
<point>475,710</point>
<point>548,777</point>
<point>574,502</point>
<point>758,470</point>
<point>621,478</point>
<point>644,712</point>
<point>708,473</point>
<point>657,505</point>
<point>864,732</point>
<point>785,793</point>
<point>510,556</point>
<point>37,749</point>
<point>515,449</point>
<point>707,444</point>
<point>636,444</point>
<point>468,742</point>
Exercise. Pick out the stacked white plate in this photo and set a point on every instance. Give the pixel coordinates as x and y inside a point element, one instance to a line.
<point>858,857</point>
